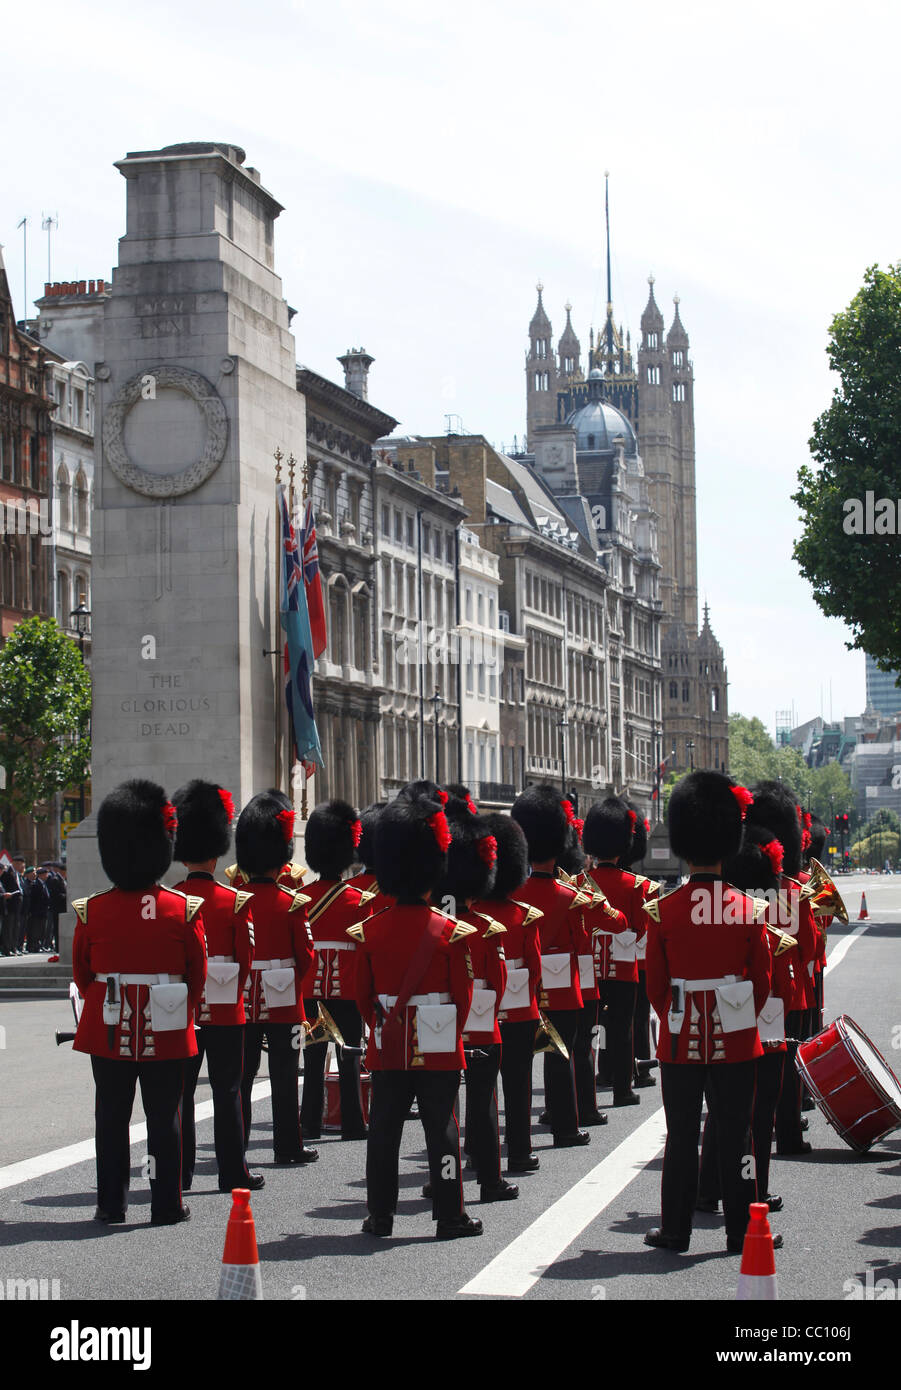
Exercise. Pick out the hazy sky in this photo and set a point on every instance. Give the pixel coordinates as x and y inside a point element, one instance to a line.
<point>436,161</point>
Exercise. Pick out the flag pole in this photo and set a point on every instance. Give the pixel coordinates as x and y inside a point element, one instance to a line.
<point>279,644</point>
<point>304,473</point>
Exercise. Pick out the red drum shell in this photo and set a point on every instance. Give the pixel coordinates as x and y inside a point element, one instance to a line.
<point>331,1114</point>
<point>851,1083</point>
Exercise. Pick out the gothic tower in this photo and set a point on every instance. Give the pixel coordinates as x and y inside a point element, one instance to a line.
<point>682,470</point>
<point>541,373</point>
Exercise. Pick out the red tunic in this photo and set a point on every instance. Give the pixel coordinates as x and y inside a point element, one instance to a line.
<point>521,950</point>
<point>333,971</point>
<point>280,933</point>
<point>803,926</point>
<point>783,959</point>
<point>228,929</point>
<point>152,932</point>
<point>616,956</point>
<point>386,943</point>
<point>368,883</point>
<point>560,933</point>
<point>706,930</point>
<point>489,968</point>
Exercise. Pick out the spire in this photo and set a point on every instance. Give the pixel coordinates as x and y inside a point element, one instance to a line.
<point>677,337</point>
<point>609,284</point>
<point>540,327</point>
<point>651,319</point>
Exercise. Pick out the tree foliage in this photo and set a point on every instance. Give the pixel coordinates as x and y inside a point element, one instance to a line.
<point>857,444</point>
<point>45,711</point>
<point>754,757</point>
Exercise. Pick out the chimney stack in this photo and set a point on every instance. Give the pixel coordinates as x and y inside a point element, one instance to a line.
<point>356,363</point>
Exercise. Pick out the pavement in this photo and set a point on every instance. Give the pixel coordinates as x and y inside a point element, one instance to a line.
<point>575,1233</point>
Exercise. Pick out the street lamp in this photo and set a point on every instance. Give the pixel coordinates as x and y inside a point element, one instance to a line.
<point>435,701</point>
<point>82,625</point>
<point>563,725</point>
<point>690,745</point>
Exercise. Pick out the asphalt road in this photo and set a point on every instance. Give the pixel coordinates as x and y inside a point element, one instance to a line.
<point>575,1233</point>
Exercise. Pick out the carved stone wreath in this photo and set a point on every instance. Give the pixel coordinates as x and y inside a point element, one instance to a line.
<point>172,484</point>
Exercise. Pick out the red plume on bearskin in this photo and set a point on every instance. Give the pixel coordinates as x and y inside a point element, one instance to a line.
<point>744,799</point>
<point>356,832</point>
<point>442,796</point>
<point>441,830</point>
<point>647,825</point>
<point>170,818</point>
<point>805,841</point>
<point>773,852</point>
<point>579,823</point>
<point>487,849</point>
<point>808,820</point>
<point>286,821</point>
<point>473,808</point>
<point>633,817</point>
<point>568,811</point>
<point>227,802</point>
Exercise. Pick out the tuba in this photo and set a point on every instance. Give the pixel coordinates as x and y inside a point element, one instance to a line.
<point>822,894</point>
<point>552,1041</point>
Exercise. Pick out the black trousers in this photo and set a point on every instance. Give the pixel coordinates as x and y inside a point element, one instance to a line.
<point>517,1056</point>
<point>583,1061</point>
<point>36,932</point>
<point>768,1083</point>
<point>161,1086</point>
<point>483,1139</point>
<point>283,1041</point>
<point>641,1023</point>
<point>617,998</point>
<point>788,1109</point>
<point>560,1076</point>
<point>223,1046</point>
<point>729,1087</point>
<point>347,1017</point>
<point>435,1093</point>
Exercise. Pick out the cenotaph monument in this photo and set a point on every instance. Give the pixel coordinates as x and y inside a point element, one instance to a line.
<point>195,394</point>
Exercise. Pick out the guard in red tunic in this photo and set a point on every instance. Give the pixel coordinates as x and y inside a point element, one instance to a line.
<point>138,959</point>
<point>572,869</point>
<point>518,1011</point>
<point>609,828</point>
<point>205,813</point>
<point>414,990</point>
<point>817,850</point>
<point>471,867</point>
<point>632,862</point>
<point>775,809</point>
<point>708,978</point>
<point>540,813</point>
<point>365,878</point>
<point>335,903</point>
<point>282,954</point>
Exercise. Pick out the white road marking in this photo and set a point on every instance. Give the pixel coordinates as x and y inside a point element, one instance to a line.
<point>57,1159</point>
<point>521,1263</point>
<point>513,1272</point>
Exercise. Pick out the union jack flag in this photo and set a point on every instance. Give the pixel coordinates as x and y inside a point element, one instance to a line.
<point>312,580</point>
<point>298,650</point>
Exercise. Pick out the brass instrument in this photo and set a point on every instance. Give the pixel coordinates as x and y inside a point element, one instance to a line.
<point>553,1041</point>
<point>822,894</point>
<point>323,1030</point>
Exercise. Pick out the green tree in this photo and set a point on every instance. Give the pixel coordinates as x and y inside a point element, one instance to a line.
<point>857,444</point>
<point>753,757</point>
<point>830,792</point>
<point>45,711</point>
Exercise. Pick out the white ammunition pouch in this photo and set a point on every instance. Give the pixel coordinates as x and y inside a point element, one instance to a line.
<point>222,980</point>
<point>622,946</point>
<point>736,1005</point>
<point>436,1027</point>
<point>279,987</point>
<point>771,1020</point>
<point>586,972</point>
<point>556,970</point>
<point>480,1018</point>
<point>516,995</point>
<point>168,1007</point>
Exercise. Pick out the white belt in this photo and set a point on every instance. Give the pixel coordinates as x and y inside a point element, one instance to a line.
<point>222,960</point>
<point>388,1001</point>
<point>334,945</point>
<point>517,964</point>
<point>696,986</point>
<point>149,979</point>
<point>480,984</point>
<point>273,964</point>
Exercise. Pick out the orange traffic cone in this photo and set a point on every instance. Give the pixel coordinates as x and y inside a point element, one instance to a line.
<point>240,1278</point>
<point>757,1280</point>
<point>863,908</point>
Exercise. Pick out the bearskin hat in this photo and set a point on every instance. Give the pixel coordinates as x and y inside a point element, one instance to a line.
<point>366,848</point>
<point>639,846</point>
<point>458,792</point>
<point>332,836</point>
<point>775,808</point>
<point>817,847</point>
<point>422,787</point>
<point>609,829</point>
<point>755,867</point>
<point>471,858</point>
<point>136,827</point>
<point>264,835</point>
<point>512,855</point>
<point>704,818</point>
<point>412,837</point>
<point>572,860</point>
<point>540,813</point>
<point>205,812</point>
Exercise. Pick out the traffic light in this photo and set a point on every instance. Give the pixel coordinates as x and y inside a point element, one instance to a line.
<point>838,821</point>
<point>847,855</point>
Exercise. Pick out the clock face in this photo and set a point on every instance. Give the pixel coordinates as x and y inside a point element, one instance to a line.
<point>165,432</point>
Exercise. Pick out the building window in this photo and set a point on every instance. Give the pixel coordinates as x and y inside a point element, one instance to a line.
<point>480,610</point>
<point>449,548</point>
<point>715,699</point>
<point>63,491</point>
<point>81,503</point>
<point>436,548</point>
<point>410,538</point>
<point>398,527</point>
<point>62,599</point>
<point>469,686</point>
<point>686,692</point>
<point>426,537</point>
<point>679,391</point>
<point>653,376</point>
<point>386,521</point>
<point>468,609</point>
<point>652,340</point>
<point>678,358</point>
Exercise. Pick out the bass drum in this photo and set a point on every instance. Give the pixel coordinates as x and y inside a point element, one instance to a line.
<point>852,1083</point>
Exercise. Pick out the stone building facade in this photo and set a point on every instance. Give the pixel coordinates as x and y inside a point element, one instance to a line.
<point>647,401</point>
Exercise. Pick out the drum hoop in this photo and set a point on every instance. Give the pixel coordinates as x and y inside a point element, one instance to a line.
<point>891,1102</point>
<point>843,1131</point>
